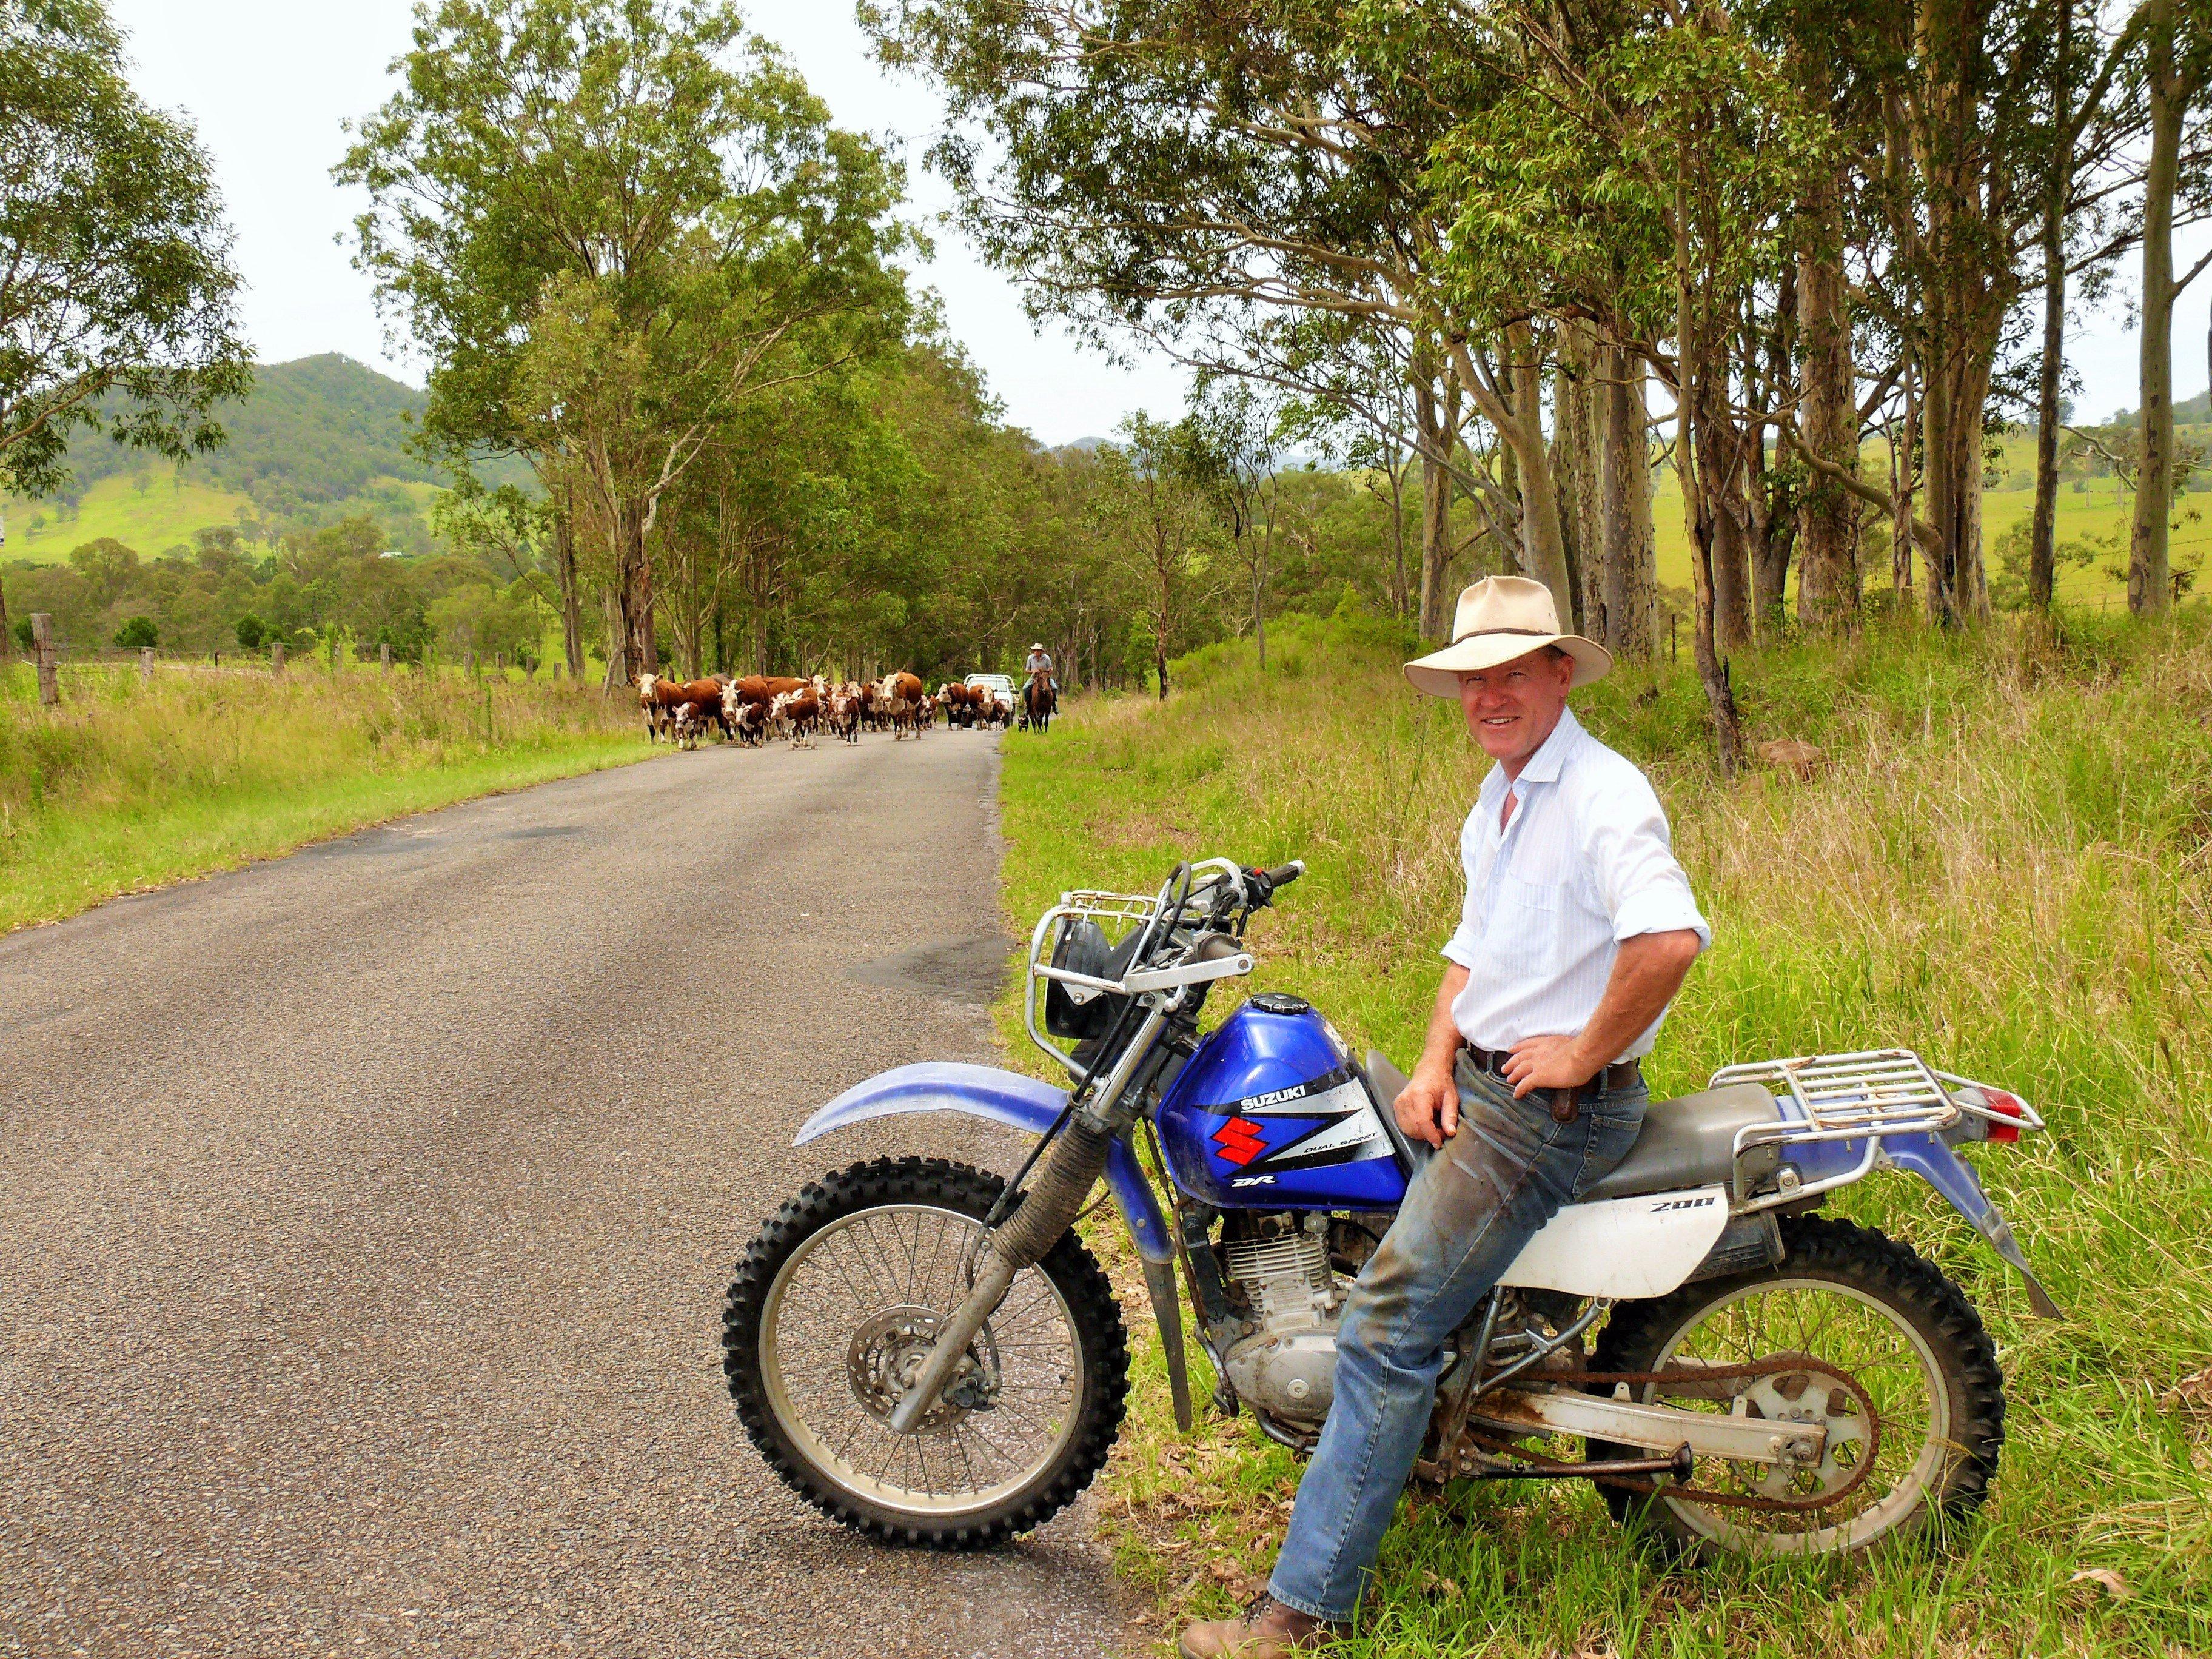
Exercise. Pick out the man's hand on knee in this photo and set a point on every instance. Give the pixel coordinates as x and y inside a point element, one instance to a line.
<point>1428,1110</point>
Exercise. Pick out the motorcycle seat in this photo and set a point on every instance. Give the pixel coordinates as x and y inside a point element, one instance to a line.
<point>1689,1141</point>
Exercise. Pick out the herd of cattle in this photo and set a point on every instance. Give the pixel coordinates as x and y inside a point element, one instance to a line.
<point>760,707</point>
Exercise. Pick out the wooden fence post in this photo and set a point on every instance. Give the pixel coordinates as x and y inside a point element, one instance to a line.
<point>384,657</point>
<point>42,645</point>
<point>145,664</point>
<point>276,658</point>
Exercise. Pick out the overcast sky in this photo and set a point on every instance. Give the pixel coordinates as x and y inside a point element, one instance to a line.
<point>267,82</point>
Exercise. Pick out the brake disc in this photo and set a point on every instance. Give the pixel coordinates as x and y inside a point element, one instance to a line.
<point>887,1351</point>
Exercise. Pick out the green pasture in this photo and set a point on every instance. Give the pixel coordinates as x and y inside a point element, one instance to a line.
<point>2099,511</point>
<point>128,786</point>
<point>2005,862</point>
<point>162,516</point>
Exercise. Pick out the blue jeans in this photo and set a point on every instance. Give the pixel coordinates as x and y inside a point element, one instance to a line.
<point>1470,1210</point>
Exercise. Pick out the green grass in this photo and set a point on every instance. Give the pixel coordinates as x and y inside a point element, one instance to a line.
<point>2006,863</point>
<point>127,786</point>
<point>165,514</point>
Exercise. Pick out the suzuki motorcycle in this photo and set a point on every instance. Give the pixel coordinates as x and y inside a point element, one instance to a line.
<point>931,1354</point>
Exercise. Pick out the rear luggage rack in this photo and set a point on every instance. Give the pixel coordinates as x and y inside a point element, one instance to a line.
<point>1868,1096</point>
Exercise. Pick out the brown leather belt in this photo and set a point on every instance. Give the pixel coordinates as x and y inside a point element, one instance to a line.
<point>1566,1103</point>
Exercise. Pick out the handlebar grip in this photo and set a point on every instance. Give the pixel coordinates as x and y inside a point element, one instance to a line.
<point>1264,885</point>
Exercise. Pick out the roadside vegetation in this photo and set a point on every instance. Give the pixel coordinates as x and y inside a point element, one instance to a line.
<point>2004,859</point>
<point>129,785</point>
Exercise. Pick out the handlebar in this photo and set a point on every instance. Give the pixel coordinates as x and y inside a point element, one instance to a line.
<point>1264,885</point>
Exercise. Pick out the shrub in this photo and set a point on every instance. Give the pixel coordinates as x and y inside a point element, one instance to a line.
<point>137,633</point>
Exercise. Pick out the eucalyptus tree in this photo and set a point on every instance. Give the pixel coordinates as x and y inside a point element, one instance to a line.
<point>1233,454</point>
<point>2176,73</point>
<point>117,289</point>
<point>2084,131</point>
<point>1151,507</point>
<point>1634,180</point>
<point>562,189</point>
<point>1193,169</point>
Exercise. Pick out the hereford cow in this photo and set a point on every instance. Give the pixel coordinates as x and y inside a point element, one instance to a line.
<point>705,698</point>
<point>900,695</point>
<point>843,713</point>
<point>750,721</point>
<point>959,702</point>
<point>800,713</point>
<point>657,699</point>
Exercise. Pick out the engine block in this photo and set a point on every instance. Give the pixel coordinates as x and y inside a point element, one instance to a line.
<point>1285,1367</point>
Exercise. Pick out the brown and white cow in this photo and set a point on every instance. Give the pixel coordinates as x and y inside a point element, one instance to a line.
<point>800,713</point>
<point>751,722</point>
<point>900,695</point>
<point>657,700</point>
<point>841,712</point>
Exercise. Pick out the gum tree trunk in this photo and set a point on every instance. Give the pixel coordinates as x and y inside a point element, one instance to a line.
<point>1628,584</point>
<point>1438,421</point>
<point>1692,397</point>
<point>572,600</point>
<point>1828,518</point>
<point>2149,566</point>
<point>2058,185</point>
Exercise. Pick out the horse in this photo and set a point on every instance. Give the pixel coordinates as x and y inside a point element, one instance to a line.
<point>1039,702</point>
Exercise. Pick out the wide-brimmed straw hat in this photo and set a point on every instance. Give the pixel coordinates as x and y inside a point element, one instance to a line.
<point>1500,618</point>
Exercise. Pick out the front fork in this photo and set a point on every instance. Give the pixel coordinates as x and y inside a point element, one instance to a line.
<point>1065,1177</point>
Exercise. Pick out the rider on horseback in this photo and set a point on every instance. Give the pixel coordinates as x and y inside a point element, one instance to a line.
<point>1040,662</point>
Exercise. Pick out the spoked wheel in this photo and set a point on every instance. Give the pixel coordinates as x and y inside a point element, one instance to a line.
<point>836,1306</point>
<point>1855,1302</point>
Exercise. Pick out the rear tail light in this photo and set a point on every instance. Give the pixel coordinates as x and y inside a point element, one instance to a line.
<point>2005,1105</point>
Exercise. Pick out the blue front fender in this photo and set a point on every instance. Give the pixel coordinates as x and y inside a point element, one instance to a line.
<point>1007,1097</point>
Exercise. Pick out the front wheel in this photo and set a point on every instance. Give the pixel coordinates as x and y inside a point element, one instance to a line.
<point>836,1304</point>
<point>1858,1302</point>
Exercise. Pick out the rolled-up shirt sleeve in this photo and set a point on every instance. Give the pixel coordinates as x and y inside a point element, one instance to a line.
<point>1640,884</point>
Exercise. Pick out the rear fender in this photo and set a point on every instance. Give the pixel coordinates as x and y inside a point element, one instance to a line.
<point>1934,1163</point>
<point>1000,1096</point>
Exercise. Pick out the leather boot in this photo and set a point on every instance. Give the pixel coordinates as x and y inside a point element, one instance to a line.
<point>1268,1631</point>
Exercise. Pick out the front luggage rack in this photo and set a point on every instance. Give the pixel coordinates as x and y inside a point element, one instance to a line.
<point>1869,1095</point>
<point>1117,914</point>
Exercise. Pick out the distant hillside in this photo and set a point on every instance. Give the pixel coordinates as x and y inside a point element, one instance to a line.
<point>2190,412</point>
<point>315,430</point>
<point>316,441</point>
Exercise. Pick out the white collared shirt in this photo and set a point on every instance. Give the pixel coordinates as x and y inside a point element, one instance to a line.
<point>1586,862</point>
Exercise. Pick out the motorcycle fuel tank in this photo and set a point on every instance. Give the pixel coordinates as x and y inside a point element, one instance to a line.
<point>1269,1114</point>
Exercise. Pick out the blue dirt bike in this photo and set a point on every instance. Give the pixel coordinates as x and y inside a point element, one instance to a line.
<point>931,1355</point>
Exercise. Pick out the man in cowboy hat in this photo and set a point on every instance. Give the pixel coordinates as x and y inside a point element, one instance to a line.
<point>1040,662</point>
<point>1577,929</point>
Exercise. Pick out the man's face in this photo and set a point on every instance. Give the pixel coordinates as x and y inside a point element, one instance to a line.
<point>1511,708</point>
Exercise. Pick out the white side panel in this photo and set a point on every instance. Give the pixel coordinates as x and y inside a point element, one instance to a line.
<point>1623,1247</point>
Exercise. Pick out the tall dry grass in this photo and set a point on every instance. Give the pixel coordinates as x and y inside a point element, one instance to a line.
<point>2003,864</point>
<point>127,784</point>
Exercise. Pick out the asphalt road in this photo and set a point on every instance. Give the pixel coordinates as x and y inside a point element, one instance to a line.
<point>365,1215</point>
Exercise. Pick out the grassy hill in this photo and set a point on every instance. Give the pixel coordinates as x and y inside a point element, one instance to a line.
<point>317,440</point>
<point>2002,864</point>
